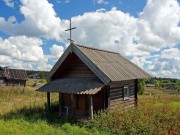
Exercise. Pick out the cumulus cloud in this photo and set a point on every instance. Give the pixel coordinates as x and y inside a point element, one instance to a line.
<point>166,64</point>
<point>56,51</point>
<point>112,30</point>
<point>158,25</point>
<point>22,52</point>
<point>40,21</point>
<point>156,29</point>
<point>9,3</point>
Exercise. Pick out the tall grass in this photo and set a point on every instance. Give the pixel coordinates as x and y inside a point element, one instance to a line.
<point>23,112</point>
<point>145,119</point>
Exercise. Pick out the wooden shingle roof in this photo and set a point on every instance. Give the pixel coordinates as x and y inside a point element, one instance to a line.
<point>107,66</point>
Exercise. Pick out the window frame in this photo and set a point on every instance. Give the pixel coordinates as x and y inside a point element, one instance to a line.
<point>126,95</point>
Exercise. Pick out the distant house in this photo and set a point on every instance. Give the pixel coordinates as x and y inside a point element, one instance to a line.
<point>12,76</point>
<point>89,80</point>
<point>169,86</point>
<point>34,76</point>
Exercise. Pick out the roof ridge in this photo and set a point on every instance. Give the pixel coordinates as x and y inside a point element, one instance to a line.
<point>92,48</point>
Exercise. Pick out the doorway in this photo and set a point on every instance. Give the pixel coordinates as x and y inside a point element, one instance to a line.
<point>80,105</point>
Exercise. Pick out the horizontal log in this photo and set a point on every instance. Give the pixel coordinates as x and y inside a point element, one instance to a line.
<point>114,105</point>
<point>122,82</point>
<point>121,99</point>
<point>116,93</point>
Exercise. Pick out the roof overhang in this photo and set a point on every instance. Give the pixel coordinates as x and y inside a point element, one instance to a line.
<point>73,86</point>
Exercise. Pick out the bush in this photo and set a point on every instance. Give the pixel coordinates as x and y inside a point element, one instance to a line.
<point>146,119</point>
<point>141,86</point>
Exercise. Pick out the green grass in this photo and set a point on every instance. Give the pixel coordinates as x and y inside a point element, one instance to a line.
<point>175,104</point>
<point>23,113</point>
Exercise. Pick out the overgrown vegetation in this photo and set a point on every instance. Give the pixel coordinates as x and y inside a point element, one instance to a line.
<point>141,86</point>
<point>158,112</point>
<point>23,112</point>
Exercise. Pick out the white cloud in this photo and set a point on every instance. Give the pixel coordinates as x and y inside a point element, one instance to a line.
<point>40,21</point>
<point>56,51</point>
<point>167,64</point>
<point>9,3</point>
<point>158,25</point>
<point>101,1</point>
<point>23,52</point>
<point>22,48</point>
<point>111,30</point>
<point>67,1</point>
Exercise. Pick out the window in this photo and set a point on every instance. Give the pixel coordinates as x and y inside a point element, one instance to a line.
<point>126,92</point>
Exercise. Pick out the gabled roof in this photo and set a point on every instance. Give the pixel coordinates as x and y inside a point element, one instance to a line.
<point>107,66</point>
<point>13,74</point>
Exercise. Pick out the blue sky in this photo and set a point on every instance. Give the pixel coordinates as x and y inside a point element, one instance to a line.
<point>147,32</point>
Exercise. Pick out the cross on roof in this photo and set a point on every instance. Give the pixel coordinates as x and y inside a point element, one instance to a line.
<point>70,29</point>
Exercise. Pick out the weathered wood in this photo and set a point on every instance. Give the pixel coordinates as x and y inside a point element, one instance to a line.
<point>91,65</point>
<point>108,97</point>
<point>135,92</point>
<point>91,106</point>
<point>104,98</point>
<point>116,94</point>
<point>73,105</point>
<point>59,62</point>
<point>73,67</point>
<point>60,104</point>
<point>48,101</point>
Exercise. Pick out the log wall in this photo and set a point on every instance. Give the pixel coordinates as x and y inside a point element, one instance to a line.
<point>116,94</point>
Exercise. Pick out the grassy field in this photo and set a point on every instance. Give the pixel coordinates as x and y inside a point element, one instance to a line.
<point>22,112</point>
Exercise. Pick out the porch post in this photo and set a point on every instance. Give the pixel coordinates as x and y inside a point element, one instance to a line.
<point>136,91</point>
<point>60,104</point>
<point>48,101</point>
<point>104,98</point>
<point>91,106</point>
<point>72,103</point>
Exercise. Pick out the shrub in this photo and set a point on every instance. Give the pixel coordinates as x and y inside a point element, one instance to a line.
<point>146,119</point>
<point>141,86</point>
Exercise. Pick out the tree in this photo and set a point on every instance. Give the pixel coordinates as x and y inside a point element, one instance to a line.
<point>42,75</point>
<point>156,82</point>
<point>141,86</point>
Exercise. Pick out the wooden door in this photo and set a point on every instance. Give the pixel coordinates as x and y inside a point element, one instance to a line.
<point>80,105</point>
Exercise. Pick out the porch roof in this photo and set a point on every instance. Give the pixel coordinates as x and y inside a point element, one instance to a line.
<point>73,86</point>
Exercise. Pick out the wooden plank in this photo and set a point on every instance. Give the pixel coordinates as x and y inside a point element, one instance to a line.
<point>73,105</point>
<point>135,92</point>
<point>58,63</point>
<point>91,106</point>
<point>115,93</point>
<point>114,84</point>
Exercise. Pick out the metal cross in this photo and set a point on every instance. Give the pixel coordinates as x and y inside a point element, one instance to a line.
<point>70,29</point>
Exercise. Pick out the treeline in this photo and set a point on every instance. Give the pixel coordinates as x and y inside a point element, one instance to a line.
<point>164,82</point>
<point>167,83</point>
<point>42,74</point>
